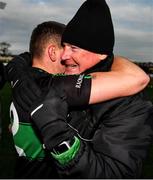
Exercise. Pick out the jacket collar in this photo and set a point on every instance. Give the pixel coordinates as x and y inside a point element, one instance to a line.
<point>102,66</point>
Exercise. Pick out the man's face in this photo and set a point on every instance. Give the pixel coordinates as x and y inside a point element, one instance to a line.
<point>77,60</point>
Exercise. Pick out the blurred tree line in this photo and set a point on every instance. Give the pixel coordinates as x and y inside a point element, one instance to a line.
<point>4,49</point>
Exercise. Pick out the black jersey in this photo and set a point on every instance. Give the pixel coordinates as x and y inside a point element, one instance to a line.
<point>33,161</point>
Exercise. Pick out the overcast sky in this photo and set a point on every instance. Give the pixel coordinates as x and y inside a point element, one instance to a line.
<point>133,23</point>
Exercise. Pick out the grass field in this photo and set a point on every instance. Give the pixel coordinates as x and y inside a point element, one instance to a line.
<point>7,151</point>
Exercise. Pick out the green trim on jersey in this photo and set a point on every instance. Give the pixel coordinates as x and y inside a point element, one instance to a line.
<point>33,148</point>
<point>68,155</point>
<point>88,76</point>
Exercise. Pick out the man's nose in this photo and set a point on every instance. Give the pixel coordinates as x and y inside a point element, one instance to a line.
<point>63,58</point>
<point>65,55</point>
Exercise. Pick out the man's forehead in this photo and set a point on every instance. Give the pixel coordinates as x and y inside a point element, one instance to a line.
<point>71,45</point>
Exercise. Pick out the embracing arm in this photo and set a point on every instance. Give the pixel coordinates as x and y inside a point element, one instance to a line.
<point>124,79</point>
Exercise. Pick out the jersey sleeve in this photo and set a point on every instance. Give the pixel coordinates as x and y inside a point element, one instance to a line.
<point>77,88</point>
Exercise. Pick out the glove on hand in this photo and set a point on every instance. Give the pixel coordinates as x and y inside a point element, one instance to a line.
<point>25,90</point>
<point>49,115</point>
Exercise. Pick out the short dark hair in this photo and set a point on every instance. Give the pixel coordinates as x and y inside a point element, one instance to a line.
<point>49,31</point>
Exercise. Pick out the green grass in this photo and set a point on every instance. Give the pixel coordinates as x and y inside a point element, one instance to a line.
<point>7,151</point>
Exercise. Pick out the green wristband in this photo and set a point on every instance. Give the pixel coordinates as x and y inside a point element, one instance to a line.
<point>68,155</point>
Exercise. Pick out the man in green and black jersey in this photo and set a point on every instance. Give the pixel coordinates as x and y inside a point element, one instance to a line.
<point>45,54</point>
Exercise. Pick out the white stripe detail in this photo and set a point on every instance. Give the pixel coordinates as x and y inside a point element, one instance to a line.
<point>13,84</point>
<point>84,139</point>
<point>36,109</point>
<point>10,70</point>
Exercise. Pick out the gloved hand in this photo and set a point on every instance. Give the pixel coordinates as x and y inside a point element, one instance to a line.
<point>24,89</point>
<point>49,115</point>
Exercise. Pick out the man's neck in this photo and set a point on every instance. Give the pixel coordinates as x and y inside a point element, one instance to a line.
<point>38,63</point>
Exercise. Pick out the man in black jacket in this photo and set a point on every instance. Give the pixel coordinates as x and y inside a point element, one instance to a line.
<point>45,48</point>
<point>109,139</point>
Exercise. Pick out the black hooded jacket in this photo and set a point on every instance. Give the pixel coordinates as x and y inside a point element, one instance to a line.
<point>115,137</point>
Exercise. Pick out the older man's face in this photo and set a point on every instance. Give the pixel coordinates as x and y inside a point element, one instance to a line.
<point>77,60</point>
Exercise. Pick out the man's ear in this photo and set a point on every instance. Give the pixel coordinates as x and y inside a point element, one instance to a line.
<point>52,53</point>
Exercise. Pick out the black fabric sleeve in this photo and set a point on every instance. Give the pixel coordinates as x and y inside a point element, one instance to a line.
<point>77,88</point>
<point>120,143</point>
<point>18,66</point>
